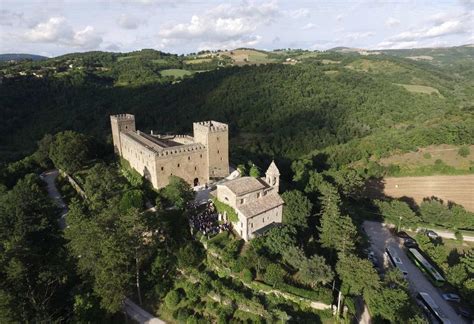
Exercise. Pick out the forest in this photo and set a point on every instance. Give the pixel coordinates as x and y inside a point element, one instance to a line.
<point>326,121</point>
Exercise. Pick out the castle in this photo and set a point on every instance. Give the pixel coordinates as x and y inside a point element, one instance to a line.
<point>255,200</point>
<point>197,159</point>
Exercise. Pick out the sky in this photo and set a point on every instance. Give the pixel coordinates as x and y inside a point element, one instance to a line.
<point>57,27</point>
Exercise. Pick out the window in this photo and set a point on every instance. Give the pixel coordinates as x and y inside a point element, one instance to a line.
<point>217,138</point>
<point>218,151</point>
<point>201,156</point>
<point>221,159</point>
<point>195,168</point>
<point>162,168</point>
<point>242,201</point>
<point>258,194</point>
<point>263,219</point>
<point>251,225</point>
<point>225,198</point>
<point>189,158</point>
<point>178,165</point>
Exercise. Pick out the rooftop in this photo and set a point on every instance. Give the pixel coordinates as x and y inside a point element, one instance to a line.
<point>241,186</point>
<point>260,205</point>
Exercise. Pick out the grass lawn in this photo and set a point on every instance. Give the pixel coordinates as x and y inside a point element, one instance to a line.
<point>177,73</point>
<point>419,89</point>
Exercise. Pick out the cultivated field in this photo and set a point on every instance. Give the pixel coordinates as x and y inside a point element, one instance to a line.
<point>419,88</point>
<point>458,189</point>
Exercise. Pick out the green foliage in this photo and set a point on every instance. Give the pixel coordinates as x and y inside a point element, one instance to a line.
<point>394,209</point>
<point>172,299</point>
<point>464,151</point>
<point>100,185</point>
<point>274,274</point>
<point>454,216</point>
<point>177,193</point>
<point>458,235</point>
<point>132,199</point>
<point>357,275</point>
<point>247,275</point>
<point>254,171</point>
<point>427,155</point>
<point>277,239</point>
<point>190,256</point>
<point>297,208</point>
<point>34,267</point>
<point>314,272</point>
<point>69,151</point>
<point>224,208</point>
<point>131,174</point>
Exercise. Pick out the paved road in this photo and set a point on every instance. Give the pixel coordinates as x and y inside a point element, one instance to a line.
<point>50,178</point>
<point>381,238</point>
<point>138,314</point>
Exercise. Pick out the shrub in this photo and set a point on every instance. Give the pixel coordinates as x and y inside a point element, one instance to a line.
<point>464,151</point>
<point>247,275</point>
<point>172,299</point>
<point>274,274</point>
<point>427,155</point>
<point>221,208</point>
<point>458,236</point>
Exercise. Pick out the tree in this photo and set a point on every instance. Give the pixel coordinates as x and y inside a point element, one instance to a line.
<point>69,151</point>
<point>132,199</point>
<point>33,265</point>
<point>294,257</point>
<point>297,208</point>
<point>336,231</point>
<point>456,275</point>
<point>100,185</point>
<point>464,151</point>
<point>172,299</point>
<point>278,239</point>
<point>393,210</point>
<point>389,303</point>
<point>191,255</point>
<point>357,275</point>
<point>254,171</point>
<point>274,274</point>
<point>314,272</point>
<point>42,153</point>
<point>177,193</point>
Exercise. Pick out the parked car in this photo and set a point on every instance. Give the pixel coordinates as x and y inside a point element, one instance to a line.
<point>432,234</point>
<point>451,297</point>
<point>410,243</point>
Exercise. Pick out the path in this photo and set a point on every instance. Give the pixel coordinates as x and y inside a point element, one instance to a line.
<point>129,307</point>
<point>138,314</point>
<point>50,178</point>
<point>380,238</point>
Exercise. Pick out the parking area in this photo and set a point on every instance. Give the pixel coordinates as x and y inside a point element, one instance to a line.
<point>381,238</point>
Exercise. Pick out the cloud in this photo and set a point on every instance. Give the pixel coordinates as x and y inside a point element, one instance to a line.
<point>340,17</point>
<point>57,30</point>
<point>129,21</point>
<point>299,13</point>
<point>443,29</point>
<point>396,45</point>
<point>358,35</point>
<point>224,25</point>
<point>392,22</point>
<point>10,18</point>
<point>309,26</point>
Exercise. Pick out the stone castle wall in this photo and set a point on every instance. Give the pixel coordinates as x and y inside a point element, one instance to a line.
<point>190,161</point>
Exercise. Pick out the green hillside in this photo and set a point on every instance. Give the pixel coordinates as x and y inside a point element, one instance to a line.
<point>274,110</point>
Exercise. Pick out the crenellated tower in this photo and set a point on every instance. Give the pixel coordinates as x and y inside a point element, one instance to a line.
<point>215,136</point>
<point>121,123</point>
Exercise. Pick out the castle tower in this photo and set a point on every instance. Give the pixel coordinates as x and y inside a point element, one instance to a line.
<point>272,176</point>
<point>215,136</point>
<point>121,123</point>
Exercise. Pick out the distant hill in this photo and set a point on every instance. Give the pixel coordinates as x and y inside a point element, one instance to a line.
<point>21,57</point>
<point>359,104</point>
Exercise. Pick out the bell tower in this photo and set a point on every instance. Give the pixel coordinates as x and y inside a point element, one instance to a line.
<point>272,176</point>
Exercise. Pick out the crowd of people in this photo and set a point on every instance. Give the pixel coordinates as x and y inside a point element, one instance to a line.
<point>206,220</point>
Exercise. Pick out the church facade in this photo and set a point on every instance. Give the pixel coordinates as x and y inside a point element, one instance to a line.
<point>255,200</point>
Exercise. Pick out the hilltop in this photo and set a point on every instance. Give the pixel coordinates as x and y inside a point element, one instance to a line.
<point>21,57</point>
<point>284,104</point>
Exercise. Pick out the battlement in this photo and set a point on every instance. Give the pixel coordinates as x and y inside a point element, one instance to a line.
<point>210,126</point>
<point>123,117</point>
<point>183,149</point>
